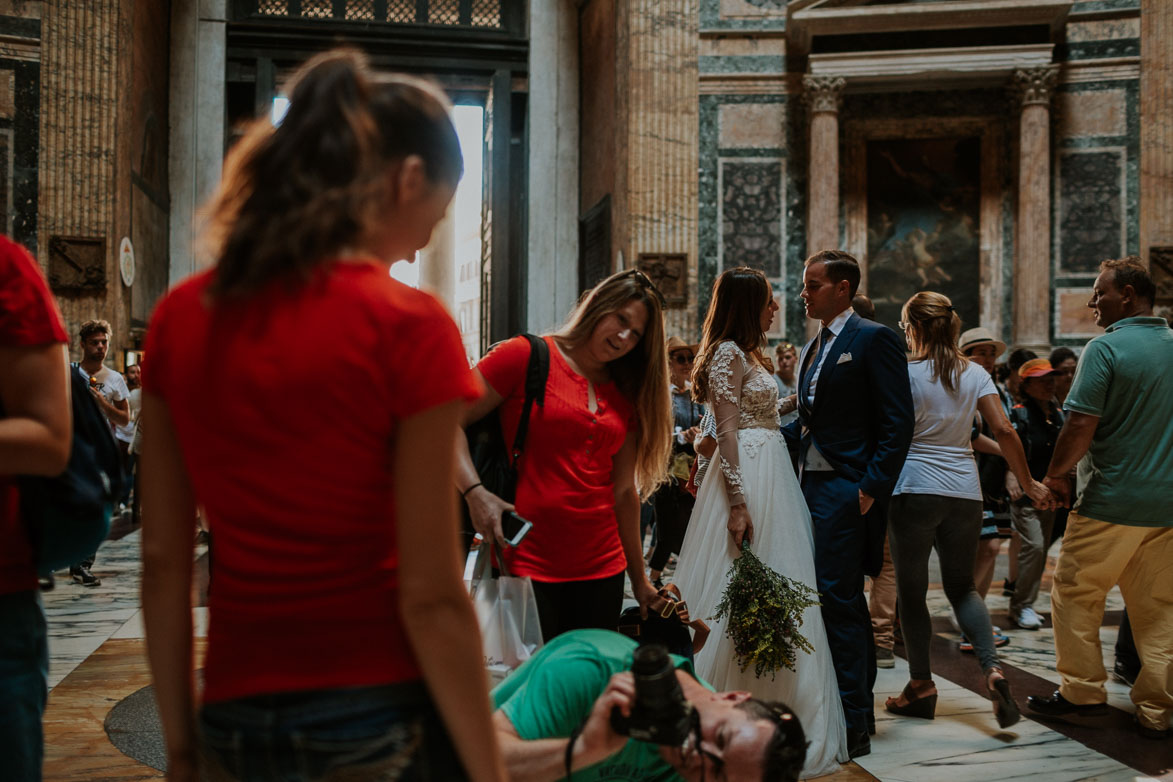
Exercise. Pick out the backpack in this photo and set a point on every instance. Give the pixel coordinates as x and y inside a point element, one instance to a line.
<point>68,516</point>
<point>497,466</point>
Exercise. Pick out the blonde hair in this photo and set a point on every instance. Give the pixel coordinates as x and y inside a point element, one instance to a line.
<point>641,375</point>
<point>933,329</point>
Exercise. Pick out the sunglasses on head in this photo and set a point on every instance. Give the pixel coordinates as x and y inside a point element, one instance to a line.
<point>646,282</point>
<point>683,358</point>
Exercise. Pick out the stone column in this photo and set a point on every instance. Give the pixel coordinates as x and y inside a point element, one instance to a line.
<point>824,95</point>
<point>1156,126</point>
<point>1032,242</point>
<point>438,261</point>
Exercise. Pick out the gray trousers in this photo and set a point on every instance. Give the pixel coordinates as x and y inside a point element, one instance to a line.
<point>918,523</point>
<point>1034,529</point>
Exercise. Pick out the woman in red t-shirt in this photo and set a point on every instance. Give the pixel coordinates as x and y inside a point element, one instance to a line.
<point>307,403</point>
<point>600,439</point>
<point>35,438</point>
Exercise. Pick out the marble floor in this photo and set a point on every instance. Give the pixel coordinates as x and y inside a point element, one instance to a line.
<point>98,658</point>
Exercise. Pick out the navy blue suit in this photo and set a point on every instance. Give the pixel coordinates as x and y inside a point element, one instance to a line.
<point>861,422</point>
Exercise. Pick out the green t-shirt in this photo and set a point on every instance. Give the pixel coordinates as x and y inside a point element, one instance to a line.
<point>1125,377</point>
<point>554,691</point>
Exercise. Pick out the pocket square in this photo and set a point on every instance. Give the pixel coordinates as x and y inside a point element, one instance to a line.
<point>843,359</point>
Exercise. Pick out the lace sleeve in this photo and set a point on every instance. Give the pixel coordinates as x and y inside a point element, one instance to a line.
<point>725,377</point>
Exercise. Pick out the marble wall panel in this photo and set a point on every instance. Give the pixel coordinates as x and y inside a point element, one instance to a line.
<point>741,46</point>
<point>1072,316</point>
<point>1103,30</point>
<point>751,214</point>
<point>1090,208</point>
<point>752,126</point>
<point>7,94</point>
<point>1089,114</point>
<point>752,9</point>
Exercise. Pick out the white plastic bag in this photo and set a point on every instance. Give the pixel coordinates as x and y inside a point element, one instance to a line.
<point>507,612</point>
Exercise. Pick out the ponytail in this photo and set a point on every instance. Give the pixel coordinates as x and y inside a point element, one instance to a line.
<point>294,195</point>
<point>933,327</point>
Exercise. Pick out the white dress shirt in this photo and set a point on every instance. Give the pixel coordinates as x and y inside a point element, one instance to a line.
<point>814,459</point>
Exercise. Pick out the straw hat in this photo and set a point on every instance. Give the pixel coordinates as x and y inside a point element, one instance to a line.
<point>979,336</point>
<point>676,343</point>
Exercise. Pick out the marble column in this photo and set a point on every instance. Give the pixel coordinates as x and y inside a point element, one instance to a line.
<point>823,95</point>
<point>1032,242</point>
<point>1156,126</point>
<point>438,261</point>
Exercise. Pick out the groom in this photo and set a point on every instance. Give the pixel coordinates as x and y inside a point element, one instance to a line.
<point>851,437</point>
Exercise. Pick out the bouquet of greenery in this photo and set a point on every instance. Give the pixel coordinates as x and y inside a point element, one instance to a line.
<point>762,611</point>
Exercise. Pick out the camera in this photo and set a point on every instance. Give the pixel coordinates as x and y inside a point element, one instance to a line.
<point>660,714</point>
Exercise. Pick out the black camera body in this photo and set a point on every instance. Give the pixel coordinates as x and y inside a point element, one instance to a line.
<point>660,714</point>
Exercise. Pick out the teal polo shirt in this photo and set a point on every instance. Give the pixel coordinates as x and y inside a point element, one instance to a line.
<point>556,689</point>
<point>1125,377</point>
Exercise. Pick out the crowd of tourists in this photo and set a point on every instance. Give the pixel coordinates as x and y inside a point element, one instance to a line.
<point>331,473</point>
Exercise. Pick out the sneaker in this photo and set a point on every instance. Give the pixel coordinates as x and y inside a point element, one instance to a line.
<point>82,575</point>
<point>1027,619</point>
<point>885,658</point>
<point>1124,674</point>
<point>1008,588</point>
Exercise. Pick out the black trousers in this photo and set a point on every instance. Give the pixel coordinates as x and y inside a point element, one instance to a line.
<point>673,510</point>
<point>575,605</point>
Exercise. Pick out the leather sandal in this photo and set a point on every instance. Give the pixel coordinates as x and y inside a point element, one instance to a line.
<point>1005,709</point>
<point>924,707</point>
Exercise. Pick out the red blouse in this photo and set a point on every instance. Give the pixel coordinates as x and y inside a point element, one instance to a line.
<point>286,407</point>
<point>565,485</point>
<point>28,318</point>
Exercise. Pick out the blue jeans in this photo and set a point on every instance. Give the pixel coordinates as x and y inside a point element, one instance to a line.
<point>390,732</point>
<point>24,685</point>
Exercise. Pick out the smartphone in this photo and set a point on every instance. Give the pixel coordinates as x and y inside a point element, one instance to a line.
<point>514,527</point>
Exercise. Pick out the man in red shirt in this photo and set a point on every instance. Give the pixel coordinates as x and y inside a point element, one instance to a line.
<point>35,433</point>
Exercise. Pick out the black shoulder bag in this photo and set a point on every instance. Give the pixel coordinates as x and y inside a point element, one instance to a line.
<point>497,466</point>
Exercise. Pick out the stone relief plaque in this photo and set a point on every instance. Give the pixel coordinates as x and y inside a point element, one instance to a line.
<point>669,271</point>
<point>1090,195</point>
<point>924,212</point>
<point>751,215</point>
<point>77,264</point>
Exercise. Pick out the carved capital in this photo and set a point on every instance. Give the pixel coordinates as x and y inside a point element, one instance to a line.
<point>1035,85</point>
<point>823,93</point>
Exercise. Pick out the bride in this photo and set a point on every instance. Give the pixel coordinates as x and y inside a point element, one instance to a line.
<point>750,491</point>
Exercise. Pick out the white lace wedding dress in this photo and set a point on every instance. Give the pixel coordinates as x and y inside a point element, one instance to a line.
<point>753,464</point>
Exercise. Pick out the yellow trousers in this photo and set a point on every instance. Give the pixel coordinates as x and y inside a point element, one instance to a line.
<point>1096,556</point>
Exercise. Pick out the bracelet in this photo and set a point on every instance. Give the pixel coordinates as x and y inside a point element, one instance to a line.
<point>464,494</point>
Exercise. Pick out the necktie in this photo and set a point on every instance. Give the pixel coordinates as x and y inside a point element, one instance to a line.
<point>825,336</point>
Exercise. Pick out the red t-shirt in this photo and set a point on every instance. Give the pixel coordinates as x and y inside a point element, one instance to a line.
<point>28,318</point>
<point>285,406</point>
<point>564,486</point>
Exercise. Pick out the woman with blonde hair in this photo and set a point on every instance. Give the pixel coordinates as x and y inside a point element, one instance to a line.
<point>937,501</point>
<point>751,494</point>
<point>600,441</point>
<point>341,641</point>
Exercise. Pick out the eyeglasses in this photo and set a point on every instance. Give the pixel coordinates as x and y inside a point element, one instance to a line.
<point>683,358</point>
<point>646,282</point>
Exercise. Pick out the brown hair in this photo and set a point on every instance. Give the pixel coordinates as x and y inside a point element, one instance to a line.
<point>735,313</point>
<point>295,195</point>
<point>641,375</point>
<point>933,329</point>
<point>1129,270</point>
<point>92,327</point>
<point>839,266</point>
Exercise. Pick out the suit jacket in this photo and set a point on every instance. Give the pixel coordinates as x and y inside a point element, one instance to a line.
<point>862,416</point>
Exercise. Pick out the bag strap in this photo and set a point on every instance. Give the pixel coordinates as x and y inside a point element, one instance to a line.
<point>536,372</point>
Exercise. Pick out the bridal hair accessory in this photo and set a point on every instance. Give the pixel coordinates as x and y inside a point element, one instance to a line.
<point>762,611</point>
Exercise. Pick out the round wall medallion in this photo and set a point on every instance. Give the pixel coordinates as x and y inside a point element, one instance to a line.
<point>126,261</point>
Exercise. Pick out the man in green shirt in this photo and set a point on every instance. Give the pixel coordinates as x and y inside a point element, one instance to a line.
<point>1121,529</point>
<point>569,689</point>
